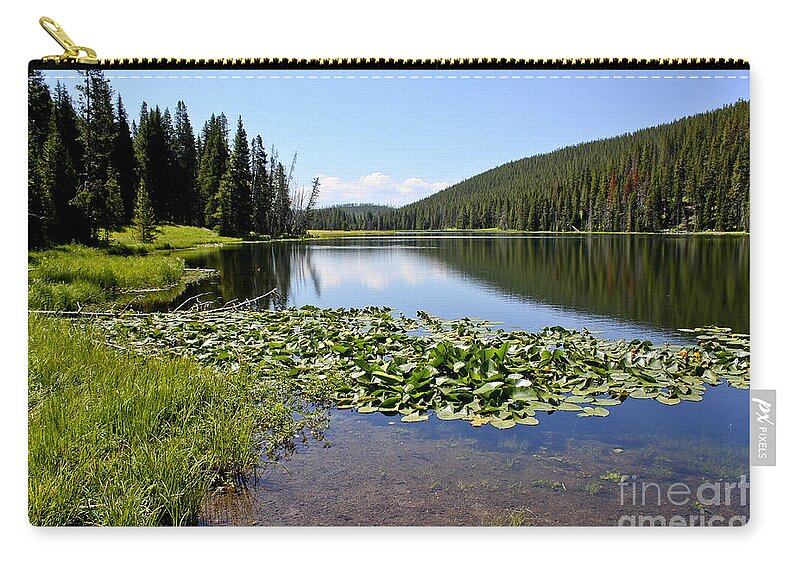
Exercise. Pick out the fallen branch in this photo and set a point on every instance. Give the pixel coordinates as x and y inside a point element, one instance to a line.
<point>186,302</point>
<point>153,290</point>
<point>229,306</point>
<point>246,302</point>
<point>84,314</point>
<point>136,298</point>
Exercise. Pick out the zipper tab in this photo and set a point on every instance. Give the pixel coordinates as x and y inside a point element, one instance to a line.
<point>72,52</point>
<point>76,54</point>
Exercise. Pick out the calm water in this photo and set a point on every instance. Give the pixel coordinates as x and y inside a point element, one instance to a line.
<point>376,470</point>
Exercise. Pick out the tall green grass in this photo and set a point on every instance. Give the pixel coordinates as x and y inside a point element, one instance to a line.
<point>167,237</point>
<point>65,277</point>
<point>118,440</point>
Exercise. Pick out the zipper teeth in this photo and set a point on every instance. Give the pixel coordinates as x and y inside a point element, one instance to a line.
<point>390,63</point>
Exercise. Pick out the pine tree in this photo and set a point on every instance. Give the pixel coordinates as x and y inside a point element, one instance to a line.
<point>282,201</point>
<point>185,168</point>
<point>144,221</point>
<point>223,218</point>
<point>170,199</point>
<point>101,201</point>
<point>40,202</point>
<point>260,187</point>
<point>60,183</point>
<point>70,222</point>
<point>212,166</point>
<point>39,109</point>
<point>739,188</point>
<point>67,124</point>
<point>238,220</point>
<point>99,192</point>
<point>153,150</point>
<point>124,160</point>
<point>306,202</point>
<point>40,206</point>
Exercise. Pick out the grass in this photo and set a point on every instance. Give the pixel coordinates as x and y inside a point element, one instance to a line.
<point>593,487</point>
<point>511,517</point>
<point>168,237</point>
<point>66,277</point>
<point>115,439</point>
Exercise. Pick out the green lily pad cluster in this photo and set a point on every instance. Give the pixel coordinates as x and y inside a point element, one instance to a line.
<point>464,369</point>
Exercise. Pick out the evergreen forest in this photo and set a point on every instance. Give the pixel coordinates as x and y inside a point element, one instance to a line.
<point>91,170</point>
<point>689,175</point>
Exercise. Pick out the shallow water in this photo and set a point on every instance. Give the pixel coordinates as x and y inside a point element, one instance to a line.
<point>565,471</point>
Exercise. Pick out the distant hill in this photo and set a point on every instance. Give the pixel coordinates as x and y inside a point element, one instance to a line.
<point>692,174</point>
<point>349,216</point>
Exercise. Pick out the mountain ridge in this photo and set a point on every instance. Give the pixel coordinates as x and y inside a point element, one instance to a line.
<point>689,174</point>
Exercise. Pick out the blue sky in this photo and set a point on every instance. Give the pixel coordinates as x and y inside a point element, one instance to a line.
<point>393,137</point>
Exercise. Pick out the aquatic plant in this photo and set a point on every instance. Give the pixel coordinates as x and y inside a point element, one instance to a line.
<point>511,517</point>
<point>614,476</point>
<point>551,483</point>
<point>593,487</point>
<point>464,369</point>
<point>514,444</point>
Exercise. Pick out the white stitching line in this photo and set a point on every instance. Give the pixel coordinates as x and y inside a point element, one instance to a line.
<point>226,77</point>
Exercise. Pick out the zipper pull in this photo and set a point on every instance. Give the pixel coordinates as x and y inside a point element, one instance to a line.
<point>72,52</point>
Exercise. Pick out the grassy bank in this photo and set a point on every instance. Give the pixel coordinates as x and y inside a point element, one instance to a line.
<point>115,439</point>
<point>67,277</point>
<point>168,237</point>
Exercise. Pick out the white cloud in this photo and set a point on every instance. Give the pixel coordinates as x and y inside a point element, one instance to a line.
<point>375,188</point>
<point>339,267</point>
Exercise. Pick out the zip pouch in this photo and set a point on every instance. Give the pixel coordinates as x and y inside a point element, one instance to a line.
<point>381,292</point>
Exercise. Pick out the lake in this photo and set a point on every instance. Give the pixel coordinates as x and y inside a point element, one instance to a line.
<point>568,470</point>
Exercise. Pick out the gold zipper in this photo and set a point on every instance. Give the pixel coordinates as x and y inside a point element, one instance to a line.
<point>73,55</point>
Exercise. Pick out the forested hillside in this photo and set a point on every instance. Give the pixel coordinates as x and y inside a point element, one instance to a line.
<point>351,216</point>
<point>91,169</point>
<point>692,174</point>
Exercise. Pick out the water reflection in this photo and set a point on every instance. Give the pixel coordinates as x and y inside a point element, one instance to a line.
<point>379,471</point>
<point>624,285</point>
<point>666,281</point>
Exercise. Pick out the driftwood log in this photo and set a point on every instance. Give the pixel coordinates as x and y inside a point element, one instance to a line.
<point>234,305</point>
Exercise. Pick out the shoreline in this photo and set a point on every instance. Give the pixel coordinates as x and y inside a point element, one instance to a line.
<point>327,234</point>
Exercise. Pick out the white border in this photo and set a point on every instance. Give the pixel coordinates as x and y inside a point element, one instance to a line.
<point>415,29</point>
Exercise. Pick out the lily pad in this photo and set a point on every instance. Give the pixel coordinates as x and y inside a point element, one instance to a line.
<point>540,406</point>
<point>460,369</point>
<point>502,424</point>
<point>527,421</point>
<point>447,413</point>
<point>415,417</point>
<point>668,400</point>
<point>606,402</point>
<point>487,388</point>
